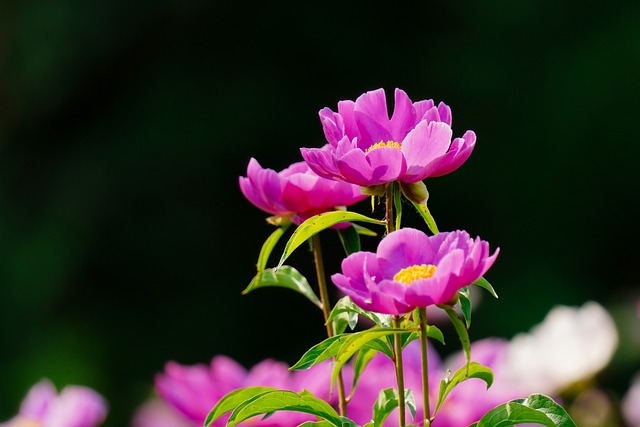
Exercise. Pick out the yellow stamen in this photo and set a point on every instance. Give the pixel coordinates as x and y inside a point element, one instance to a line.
<point>391,144</point>
<point>415,272</point>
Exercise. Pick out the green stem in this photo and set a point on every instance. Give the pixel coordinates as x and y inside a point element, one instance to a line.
<point>326,311</point>
<point>389,198</point>
<point>399,372</point>
<point>425,365</point>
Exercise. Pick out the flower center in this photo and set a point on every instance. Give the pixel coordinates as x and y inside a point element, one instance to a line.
<point>391,144</point>
<point>409,275</point>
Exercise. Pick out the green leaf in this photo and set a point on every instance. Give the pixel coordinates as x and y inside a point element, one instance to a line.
<point>346,305</point>
<point>231,400</point>
<point>472,370</point>
<point>350,240</point>
<point>363,231</point>
<point>322,423</point>
<point>388,401</point>
<point>284,277</point>
<point>537,409</point>
<point>461,330</point>
<point>317,223</point>
<point>362,359</point>
<point>435,333</point>
<point>484,283</point>
<point>426,215</point>
<point>465,305</point>
<point>320,352</point>
<point>397,204</point>
<point>269,244</point>
<point>355,342</point>
<point>380,345</point>
<point>284,400</point>
<point>344,319</point>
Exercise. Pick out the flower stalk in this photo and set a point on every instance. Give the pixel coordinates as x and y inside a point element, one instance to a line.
<point>399,372</point>
<point>326,311</point>
<point>389,203</point>
<point>422,312</point>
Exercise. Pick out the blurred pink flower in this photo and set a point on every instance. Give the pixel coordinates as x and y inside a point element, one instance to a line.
<point>75,406</point>
<point>194,390</point>
<point>156,413</point>
<point>411,269</point>
<point>368,148</point>
<point>296,191</point>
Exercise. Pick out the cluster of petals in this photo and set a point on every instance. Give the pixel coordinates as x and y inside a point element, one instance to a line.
<point>466,404</point>
<point>571,345</point>
<point>411,269</point>
<point>74,406</point>
<point>192,391</point>
<point>368,148</point>
<point>296,191</point>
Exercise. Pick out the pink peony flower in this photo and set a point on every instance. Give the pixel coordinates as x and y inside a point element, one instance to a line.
<point>411,269</point>
<point>156,413</point>
<point>368,148</point>
<point>470,400</point>
<point>194,390</point>
<point>296,191</point>
<point>380,375</point>
<point>75,406</point>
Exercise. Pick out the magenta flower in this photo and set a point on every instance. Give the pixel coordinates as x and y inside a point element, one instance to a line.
<point>193,391</point>
<point>368,148</point>
<point>75,406</point>
<point>296,191</point>
<point>411,269</point>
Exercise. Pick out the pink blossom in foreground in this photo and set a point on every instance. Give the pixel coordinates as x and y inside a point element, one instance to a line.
<point>469,401</point>
<point>157,413</point>
<point>74,406</point>
<point>194,390</point>
<point>411,269</point>
<point>296,191</point>
<point>368,148</point>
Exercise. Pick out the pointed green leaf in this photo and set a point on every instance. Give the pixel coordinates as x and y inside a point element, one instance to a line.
<point>269,244</point>
<point>461,329</point>
<point>473,370</point>
<point>345,305</point>
<point>484,283</point>
<point>343,320</point>
<point>388,401</point>
<point>284,400</point>
<point>317,223</point>
<point>435,333</point>
<point>363,231</point>
<point>231,400</point>
<point>380,345</point>
<point>362,359</point>
<point>350,240</point>
<point>426,215</point>
<point>465,305</point>
<point>397,204</point>
<point>320,352</point>
<point>322,423</point>
<point>355,342</point>
<point>536,409</point>
<point>284,277</point>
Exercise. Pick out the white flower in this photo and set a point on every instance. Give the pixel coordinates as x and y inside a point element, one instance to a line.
<point>570,345</point>
<point>631,403</point>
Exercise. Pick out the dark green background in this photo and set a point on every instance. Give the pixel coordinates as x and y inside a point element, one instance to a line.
<point>125,242</point>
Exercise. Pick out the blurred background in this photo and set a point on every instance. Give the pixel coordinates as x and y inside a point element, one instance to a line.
<point>125,241</point>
